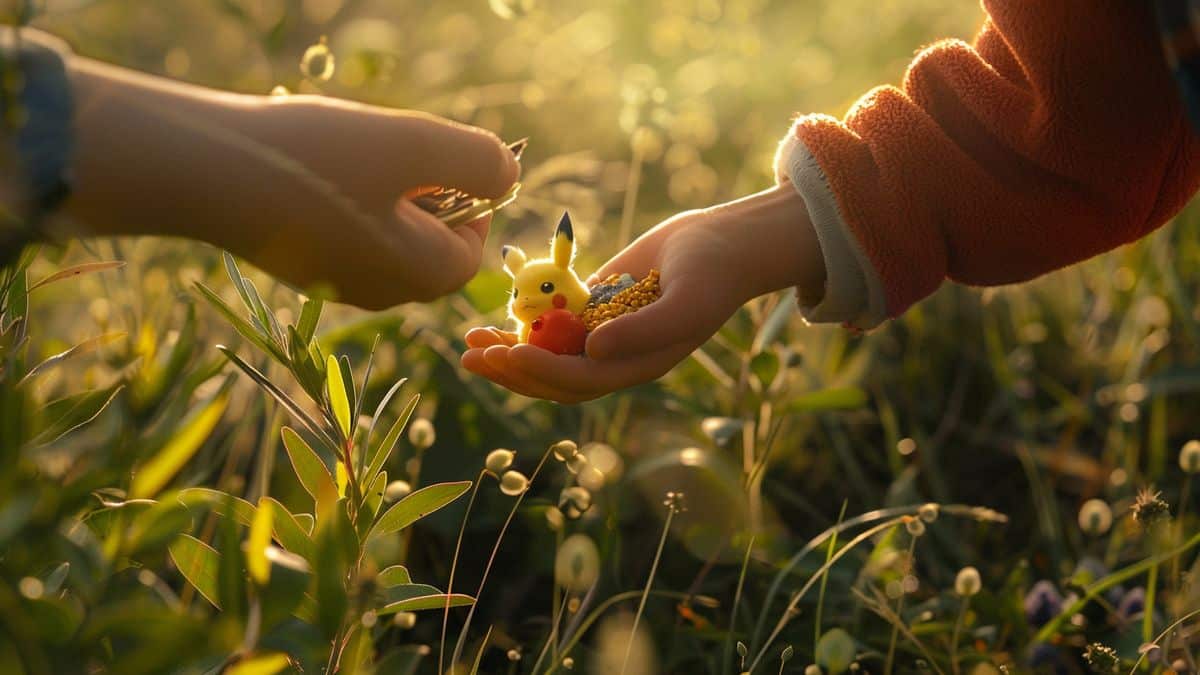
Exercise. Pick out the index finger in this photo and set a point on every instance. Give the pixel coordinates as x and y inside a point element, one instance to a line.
<point>448,154</point>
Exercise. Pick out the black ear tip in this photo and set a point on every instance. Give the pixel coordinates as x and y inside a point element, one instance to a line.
<point>564,226</point>
<point>504,251</point>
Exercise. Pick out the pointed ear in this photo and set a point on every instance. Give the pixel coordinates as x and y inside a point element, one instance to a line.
<point>514,259</point>
<point>562,247</point>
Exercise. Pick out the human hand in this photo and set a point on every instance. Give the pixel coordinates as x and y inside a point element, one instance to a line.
<point>710,263</point>
<point>313,190</point>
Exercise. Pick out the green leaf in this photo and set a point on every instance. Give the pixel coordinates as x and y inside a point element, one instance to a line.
<point>242,326</point>
<point>221,503</point>
<point>269,663</point>
<point>418,603</point>
<point>54,581</point>
<point>153,380</point>
<point>71,413</point>
<point>765,366</point>
<point>371,502</point>
<point>383,404</point>
<point>257,542</point>
<point>290,578</point>
<point>239,281</point>
<point>89,345</point>
<point>842,398</point>
<point>78,270</point>
<point>396,575</point>
<point>198,563</point>
<point>330,566</point>
<point>231,576</point>
<point>310,470</point>
<point>286,401</point>
<point>310,315</point>
<point>160,469</point>
<point>381,452</point>
<point>156,526</point>
<point>289,532</point>
<point>339,400</point>
<point>416,506</point>
<point>265,316</point>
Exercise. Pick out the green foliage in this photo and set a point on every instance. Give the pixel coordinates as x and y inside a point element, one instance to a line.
<point>128,513</point>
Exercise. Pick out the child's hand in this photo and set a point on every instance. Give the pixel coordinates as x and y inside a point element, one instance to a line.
<point>711,262</point>
<point>310,189</point>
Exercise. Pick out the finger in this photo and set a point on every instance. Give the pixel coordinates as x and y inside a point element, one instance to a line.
<point>473,360</point>
<point>521,382</point>
<point>482,338</point>
<point>683,313</point>
<point>437,259</point>
<point>587,377</point>
<point>448,154</point>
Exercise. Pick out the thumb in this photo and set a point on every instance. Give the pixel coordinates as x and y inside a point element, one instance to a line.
<point>679,316</point>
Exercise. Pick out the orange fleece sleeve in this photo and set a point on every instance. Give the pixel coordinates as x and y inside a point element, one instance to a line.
<point>1057,136</point>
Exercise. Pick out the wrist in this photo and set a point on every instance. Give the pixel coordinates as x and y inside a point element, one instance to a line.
<point>781,248</point>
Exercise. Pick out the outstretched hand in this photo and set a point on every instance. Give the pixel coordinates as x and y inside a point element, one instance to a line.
<point>710,263</point>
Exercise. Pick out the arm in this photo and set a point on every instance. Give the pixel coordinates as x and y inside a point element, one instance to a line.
<point>307,188</point>
<point>1058,135</point>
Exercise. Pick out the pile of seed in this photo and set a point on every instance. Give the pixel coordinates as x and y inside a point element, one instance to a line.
<point>629,299</point>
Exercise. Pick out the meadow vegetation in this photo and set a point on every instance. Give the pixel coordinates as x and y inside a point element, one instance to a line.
<point>207,471</point>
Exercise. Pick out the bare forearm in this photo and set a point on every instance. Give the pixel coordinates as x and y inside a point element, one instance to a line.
<point>145,161</point>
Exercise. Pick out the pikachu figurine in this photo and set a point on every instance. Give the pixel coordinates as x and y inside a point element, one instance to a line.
<point>547,296</point>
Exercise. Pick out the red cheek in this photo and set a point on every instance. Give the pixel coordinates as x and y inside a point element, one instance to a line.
<point>559,300</point>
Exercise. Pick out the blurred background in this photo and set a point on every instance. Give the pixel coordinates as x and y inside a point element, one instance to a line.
<point>1028,400</point>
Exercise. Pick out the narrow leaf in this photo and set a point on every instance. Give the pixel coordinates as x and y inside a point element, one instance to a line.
<point>167,462</point>
<point>380,454</point>
<point>242,326</point>
<point>89,345</point>
<point>425,602</point>
<point>262,664</point>
<point>396,575</point>
<point>71,413</point>
<point>221,503</point>
<point>198,563</point>
<point>338,399</point>
<point>842,398</point>
<point>416,506</point>
<point>78,270</point>
<point>289,532</point>
<point>310,314</point>
<point>286,401</point>
<point>258,541</point>
<point>310,470</point>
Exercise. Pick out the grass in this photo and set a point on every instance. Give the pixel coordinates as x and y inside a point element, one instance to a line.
<point>802,449</point>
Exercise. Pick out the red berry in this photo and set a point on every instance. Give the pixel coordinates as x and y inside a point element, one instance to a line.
<point>558,331</point>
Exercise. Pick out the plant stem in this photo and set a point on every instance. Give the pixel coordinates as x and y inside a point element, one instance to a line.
<point>962,609</point>
<point>462,637</point>
<point>891,653</point>
<point>453,567</point>
<point>662,540</point>
<point>737,599</point>
<point>825,580</point>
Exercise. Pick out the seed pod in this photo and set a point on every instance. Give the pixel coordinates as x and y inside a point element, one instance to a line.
<point>1095,517</point>
<point>574,501</point>
<point>1189,457</point>
<point>564,450</point>
<point>967,583</point>
<point>421,434</point>
<point>513,483</point>
<point>499,460</point>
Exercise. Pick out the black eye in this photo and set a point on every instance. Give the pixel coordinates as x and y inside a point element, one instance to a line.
<point>547,287</point>
<point>516,292</point>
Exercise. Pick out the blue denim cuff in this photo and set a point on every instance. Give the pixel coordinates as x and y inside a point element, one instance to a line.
<point>35,113</point>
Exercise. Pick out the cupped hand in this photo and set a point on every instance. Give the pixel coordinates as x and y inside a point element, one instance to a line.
<point>710,263</point>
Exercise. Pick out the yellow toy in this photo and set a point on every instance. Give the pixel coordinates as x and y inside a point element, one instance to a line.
<point>544,284</point>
